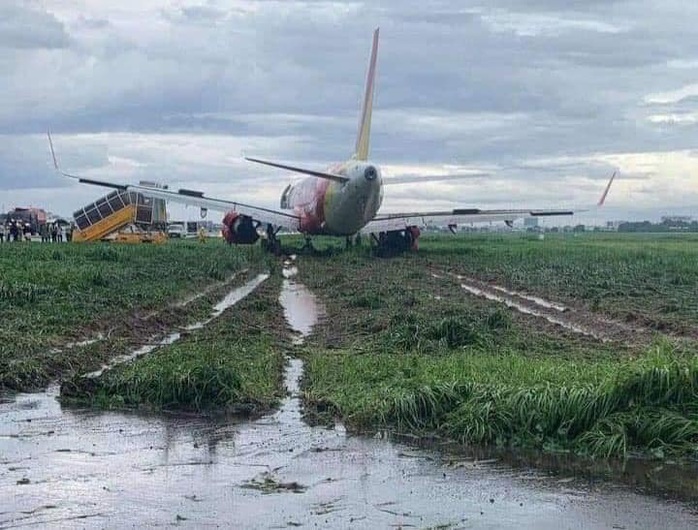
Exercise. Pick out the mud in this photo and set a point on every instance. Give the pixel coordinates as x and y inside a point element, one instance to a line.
<point>576,320</point>
<point>67,468</point>
<point>229,300</point>
<point>76,469</point>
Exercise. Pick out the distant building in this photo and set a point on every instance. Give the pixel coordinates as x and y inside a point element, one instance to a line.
<point>612,226</point>
<point>676,219</point>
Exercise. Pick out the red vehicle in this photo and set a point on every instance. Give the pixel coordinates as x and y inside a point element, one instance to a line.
<point>33,217</point>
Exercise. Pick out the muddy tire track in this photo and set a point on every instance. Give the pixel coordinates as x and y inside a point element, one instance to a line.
<point>572,319</point>
<point>137,331</point>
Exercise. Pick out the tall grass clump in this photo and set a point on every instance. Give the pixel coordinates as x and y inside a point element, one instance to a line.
<point>413,332</point>
<point>600,408</point>
<point>185,377</point>
<point>57,294</point>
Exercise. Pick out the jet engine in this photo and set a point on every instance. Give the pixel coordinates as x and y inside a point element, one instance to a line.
<point>239,229</point>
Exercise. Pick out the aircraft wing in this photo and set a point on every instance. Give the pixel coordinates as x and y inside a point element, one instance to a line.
<point>400,221</point>
<point>193,198</point>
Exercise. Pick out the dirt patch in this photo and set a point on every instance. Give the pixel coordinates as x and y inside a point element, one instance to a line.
<point>571,317</point>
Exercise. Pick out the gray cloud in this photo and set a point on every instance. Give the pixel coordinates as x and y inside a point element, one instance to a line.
<point>503,84</point>
<point>23,27</point>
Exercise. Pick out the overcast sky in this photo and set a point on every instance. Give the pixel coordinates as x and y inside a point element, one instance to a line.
<point>547,96</point>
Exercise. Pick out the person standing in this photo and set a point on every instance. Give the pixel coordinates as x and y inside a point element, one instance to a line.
<point>2,232</point>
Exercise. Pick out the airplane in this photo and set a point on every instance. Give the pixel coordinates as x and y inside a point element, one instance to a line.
<point>342,200</point>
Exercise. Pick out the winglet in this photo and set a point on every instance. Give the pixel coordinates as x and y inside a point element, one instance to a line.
<point>602,200</point>
<point>364,134</point>
<point>53,153</point>
<point>78,178</point>
<point>55,160</point>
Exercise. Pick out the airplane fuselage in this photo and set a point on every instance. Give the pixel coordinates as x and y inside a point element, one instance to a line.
<point>328,207</point>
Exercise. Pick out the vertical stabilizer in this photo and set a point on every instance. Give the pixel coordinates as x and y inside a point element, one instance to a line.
<point>364,134</point>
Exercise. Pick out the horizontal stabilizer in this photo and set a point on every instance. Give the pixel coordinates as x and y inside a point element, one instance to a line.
<point>415,179</point>
<point>311,172</point>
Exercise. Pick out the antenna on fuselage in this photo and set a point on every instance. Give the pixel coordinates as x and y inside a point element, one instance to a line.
<point>364,133</point>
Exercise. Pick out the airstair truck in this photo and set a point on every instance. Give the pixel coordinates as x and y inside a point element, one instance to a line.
<point>105,218</point>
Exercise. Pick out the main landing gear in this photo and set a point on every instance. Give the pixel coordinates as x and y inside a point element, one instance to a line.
<point>271,243</point>
<point>396,242</point>
<point>352,241</point>
<point>308,247</point>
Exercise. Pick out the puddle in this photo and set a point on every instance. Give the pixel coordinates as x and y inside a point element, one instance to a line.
<point>66,467</point>
<point>535,299</point>
<point>232,298</point>
<point>530,311</point>
<point>78,344</point>
<point>301,308</point>
<point>78,468</point>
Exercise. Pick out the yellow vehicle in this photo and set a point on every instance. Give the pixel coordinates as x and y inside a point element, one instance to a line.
<point>118,216</point>
<point>133,234</point>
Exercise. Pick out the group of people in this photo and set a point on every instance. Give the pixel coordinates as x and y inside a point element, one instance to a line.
<point>54,233</point>
<point>14,230</point>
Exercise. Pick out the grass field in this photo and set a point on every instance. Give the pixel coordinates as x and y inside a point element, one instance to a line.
<point>51,295</point>
<point>404,350</point>
<point>402,347</point>
<point>233,365</point>
<point>646,278</point>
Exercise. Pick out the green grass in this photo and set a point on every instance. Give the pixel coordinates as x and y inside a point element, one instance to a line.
<point>603,408</point>
<point>403,350</point>
<point>53,294</point>
<point>232,365</point>
<point>649,279</point>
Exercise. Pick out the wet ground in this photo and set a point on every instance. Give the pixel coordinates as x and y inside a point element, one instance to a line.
<point>574,319</point>
<point>68,468</point>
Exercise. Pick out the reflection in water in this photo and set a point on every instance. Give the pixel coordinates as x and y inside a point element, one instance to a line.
<point>301,308</point>
<point>63,468</point>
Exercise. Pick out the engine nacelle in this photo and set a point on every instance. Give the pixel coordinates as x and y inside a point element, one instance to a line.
<point>239,229</point>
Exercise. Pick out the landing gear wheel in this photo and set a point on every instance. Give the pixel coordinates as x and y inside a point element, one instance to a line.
<point>308,247</point>
<point>271,243</point>
<point>395,242</point>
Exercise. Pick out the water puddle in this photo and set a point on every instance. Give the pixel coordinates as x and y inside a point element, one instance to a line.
<point>232,298</point>
<point>63,467</point>
<point>301,307</point>
<point>530,311</point>
<point>67,467</point>
<point>535,299</point>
